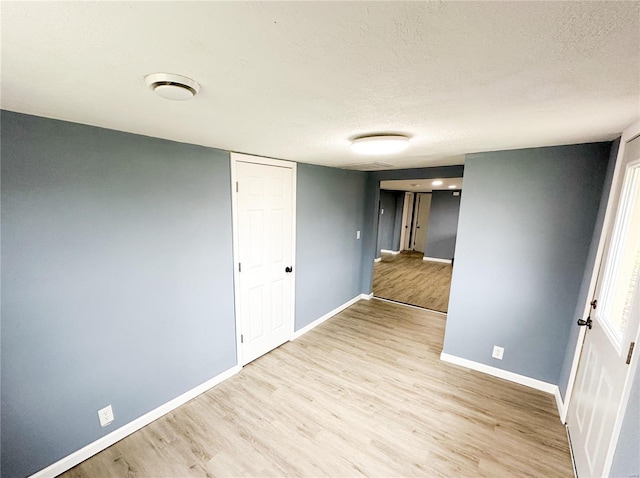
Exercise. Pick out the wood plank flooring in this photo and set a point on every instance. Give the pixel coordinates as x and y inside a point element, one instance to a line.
<point>363,394</point>
<point>406,278</point>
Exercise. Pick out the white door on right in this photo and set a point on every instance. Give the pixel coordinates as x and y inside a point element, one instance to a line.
<point>603,369</point>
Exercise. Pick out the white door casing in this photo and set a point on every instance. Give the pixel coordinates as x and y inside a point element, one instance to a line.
<point>421,220</point>
<point>600,393</point>
<point>264,242</point>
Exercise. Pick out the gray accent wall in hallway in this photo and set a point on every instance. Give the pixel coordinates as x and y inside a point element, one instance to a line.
<point>443,225</point>
<point>526,222</point>
<point>330,210</point>
<point>117,281</point>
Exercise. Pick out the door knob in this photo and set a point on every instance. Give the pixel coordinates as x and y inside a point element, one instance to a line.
<point>288,269</point>
<point>588,322</point>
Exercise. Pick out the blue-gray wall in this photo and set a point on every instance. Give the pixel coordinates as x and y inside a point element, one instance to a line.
<point>583,298</point>
<point>390,220</point>
<point>372,198</point>
<point>626,461</point>
<point>117,281</point>
<point>443,225</point>
<point>525,227</point>
<point>330,209</point>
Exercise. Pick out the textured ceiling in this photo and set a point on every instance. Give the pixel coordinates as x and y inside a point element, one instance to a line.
<point>297,80</point>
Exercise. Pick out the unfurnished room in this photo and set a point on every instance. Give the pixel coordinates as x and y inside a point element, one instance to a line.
<point>319,239</point>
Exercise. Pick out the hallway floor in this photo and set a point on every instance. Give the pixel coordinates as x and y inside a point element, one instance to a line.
<point>406,278</point>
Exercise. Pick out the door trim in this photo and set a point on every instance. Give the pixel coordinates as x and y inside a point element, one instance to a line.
<point>629,134</point>
<point>234,158</point>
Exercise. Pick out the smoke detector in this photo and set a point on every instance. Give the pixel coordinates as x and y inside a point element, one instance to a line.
<point>172,87</point>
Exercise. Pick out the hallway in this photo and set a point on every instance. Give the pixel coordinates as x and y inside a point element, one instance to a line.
<point>406,278</point>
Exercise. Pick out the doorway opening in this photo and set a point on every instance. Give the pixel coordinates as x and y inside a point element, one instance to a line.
<point>417,229</point>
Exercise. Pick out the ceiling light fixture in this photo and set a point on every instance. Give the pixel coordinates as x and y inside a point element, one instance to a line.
<point>172,87</point>
<point>415,185</point>
<point>452,186</point>
<point>378,145</point>
<point>437,182</point>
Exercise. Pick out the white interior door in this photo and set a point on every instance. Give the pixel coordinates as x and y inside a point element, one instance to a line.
<point>264,286</point>
<point>405,233</point>
<point>421,220</point>
<point>598,401</point>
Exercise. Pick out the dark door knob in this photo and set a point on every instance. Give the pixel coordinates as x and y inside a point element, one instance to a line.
<point>288,269</point>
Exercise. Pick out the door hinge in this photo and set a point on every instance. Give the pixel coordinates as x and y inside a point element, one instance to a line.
<point>594,304</point>
<point>237,187</point>
<point>239,266</point>
<point>588,322</point>
<point>241,338</point>
<point>631,347</point>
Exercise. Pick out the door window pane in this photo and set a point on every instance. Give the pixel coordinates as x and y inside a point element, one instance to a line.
<point>620,278</point>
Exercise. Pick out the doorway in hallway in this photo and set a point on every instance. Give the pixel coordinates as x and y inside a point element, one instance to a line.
<point>417,230</point>
<point>406,278</point>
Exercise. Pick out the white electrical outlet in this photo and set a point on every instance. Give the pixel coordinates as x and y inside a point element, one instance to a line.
<point>357,234</point>
<point>498,352</point>
<point>106,416</point>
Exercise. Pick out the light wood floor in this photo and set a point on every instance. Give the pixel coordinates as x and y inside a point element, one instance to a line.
<point>406,278</point>
<point>362,394</point>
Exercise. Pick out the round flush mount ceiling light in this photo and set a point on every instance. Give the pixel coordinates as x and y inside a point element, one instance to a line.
<point>379,145</point>
<point>452,186</point>
<point>437,182</point>
<point>172,87</point>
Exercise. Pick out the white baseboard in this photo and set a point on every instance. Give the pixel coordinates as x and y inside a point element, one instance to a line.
<point>106,441</point>
<point>503,374</point>
<point>377,259</point>
<point>366,296</point>
<point>328,315</point>
<point>387,251</point>
<point>436,259</point>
